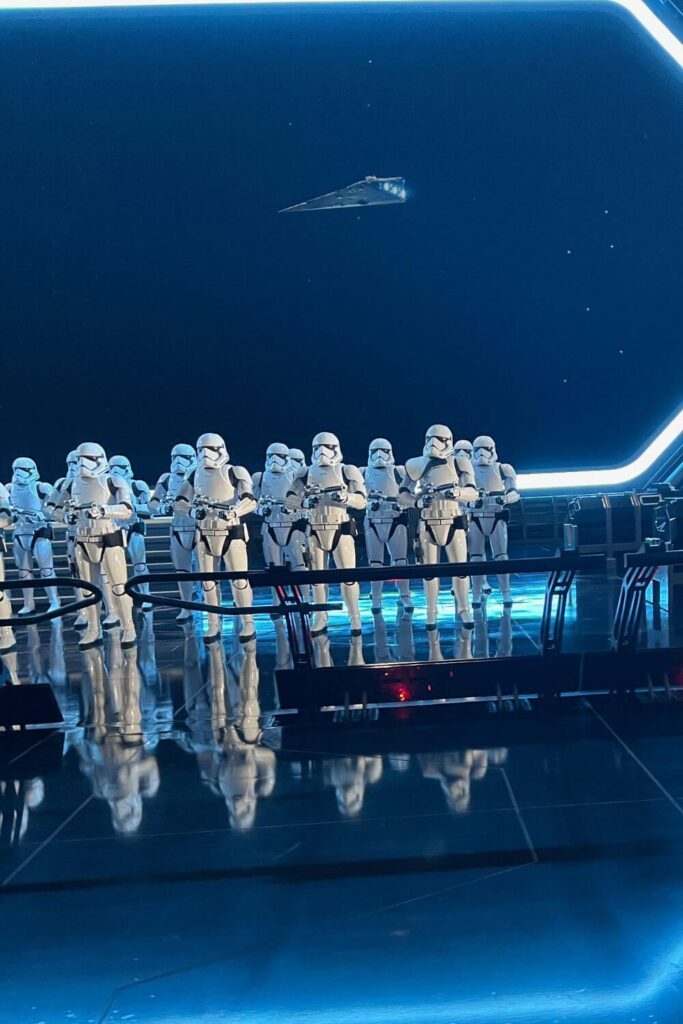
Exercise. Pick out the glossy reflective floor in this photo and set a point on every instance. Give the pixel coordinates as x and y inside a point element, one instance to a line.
<point>181,852</point>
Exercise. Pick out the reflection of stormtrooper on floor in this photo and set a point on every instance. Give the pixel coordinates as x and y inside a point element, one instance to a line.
<point>497,485</point>
<point>455,770</point>
<point>112,753</point>
<point>283,531</point>
<point>18,797</point>
<point>401,645</point>
<point>183,526</point>
<point>218,496</point>
<point>93,502</point>
<point>7,642</point>
<point>32,531</point>
<point>481,646</point>
<point>349,776</point>
<point>439,485</point>
<point>240,767</point>
<point>386,522</point>
<point>327,490</point>
<point>134,527</point>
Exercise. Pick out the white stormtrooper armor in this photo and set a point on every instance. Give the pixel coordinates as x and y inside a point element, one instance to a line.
<point>296,461</point>
<point>283,530</point>
<point>183,526</point>
<point>439,485</point>
<point>386,525</point>
<point>218,496</point>
<point>133,528</point>
<point>94,503</point>
<point>32,532</point>
<point>463,450</point>
<point>497,485</point>
<point>327,490</point>
<point>52,502</point>
<point>6,633</point>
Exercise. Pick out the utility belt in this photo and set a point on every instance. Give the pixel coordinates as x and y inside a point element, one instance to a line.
<point>237,532</point>
<point>113,539</point>
<point>347,528</point>
<point>458,522</point>
<point>399,519</point>
<point>325,521</point>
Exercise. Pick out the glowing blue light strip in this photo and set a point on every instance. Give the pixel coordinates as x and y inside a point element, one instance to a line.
<point>540,1007</point>
<point>638,9</point>
<point>601,478</point>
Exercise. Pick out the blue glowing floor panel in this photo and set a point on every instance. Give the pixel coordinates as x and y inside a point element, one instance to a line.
<point>181,853</point>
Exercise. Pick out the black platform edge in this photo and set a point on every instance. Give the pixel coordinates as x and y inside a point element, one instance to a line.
<point>33,704</point>
<point>547,678</point>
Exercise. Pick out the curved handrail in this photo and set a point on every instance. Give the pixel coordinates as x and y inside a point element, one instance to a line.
<point>282,576</point>
<point>64,609</point>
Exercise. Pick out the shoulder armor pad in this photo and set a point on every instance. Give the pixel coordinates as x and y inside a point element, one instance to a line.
<point>352,474</point>
<point>240,473</point>
<point>507,470</point>
<point>416,467</point>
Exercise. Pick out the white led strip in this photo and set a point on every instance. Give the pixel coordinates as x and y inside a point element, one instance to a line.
<point>638,9</point>
<point>567,479</point>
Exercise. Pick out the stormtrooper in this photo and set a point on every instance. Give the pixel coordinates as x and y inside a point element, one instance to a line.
<point>386,522</point>
<point>439,484</point>
<point>32,531</point>
<point>296,461</point>
<point>283,530</point>
<point>6,633</point>
<point>327,490</point>
<point>134,527</point>
<point>53,501</point>
<point>183,526</point>
<point>497,485</point>
<point>218,495</point>
<point>463,450</point>
<point>94,503</point>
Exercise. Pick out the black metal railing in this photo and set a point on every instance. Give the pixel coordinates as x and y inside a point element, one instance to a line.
<point>288,587</point>
<point>35,618</point>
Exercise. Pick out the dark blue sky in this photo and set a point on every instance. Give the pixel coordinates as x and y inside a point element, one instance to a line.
<point>151,292</point>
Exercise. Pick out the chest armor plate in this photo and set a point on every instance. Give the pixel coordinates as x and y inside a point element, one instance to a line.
<point>274,485</point>
<point>25,497</point>
<point>382,480</point>
<point>214,483</point>
<point>488,479</point>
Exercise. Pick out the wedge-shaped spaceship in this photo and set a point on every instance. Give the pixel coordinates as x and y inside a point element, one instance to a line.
<point>370,191</point>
